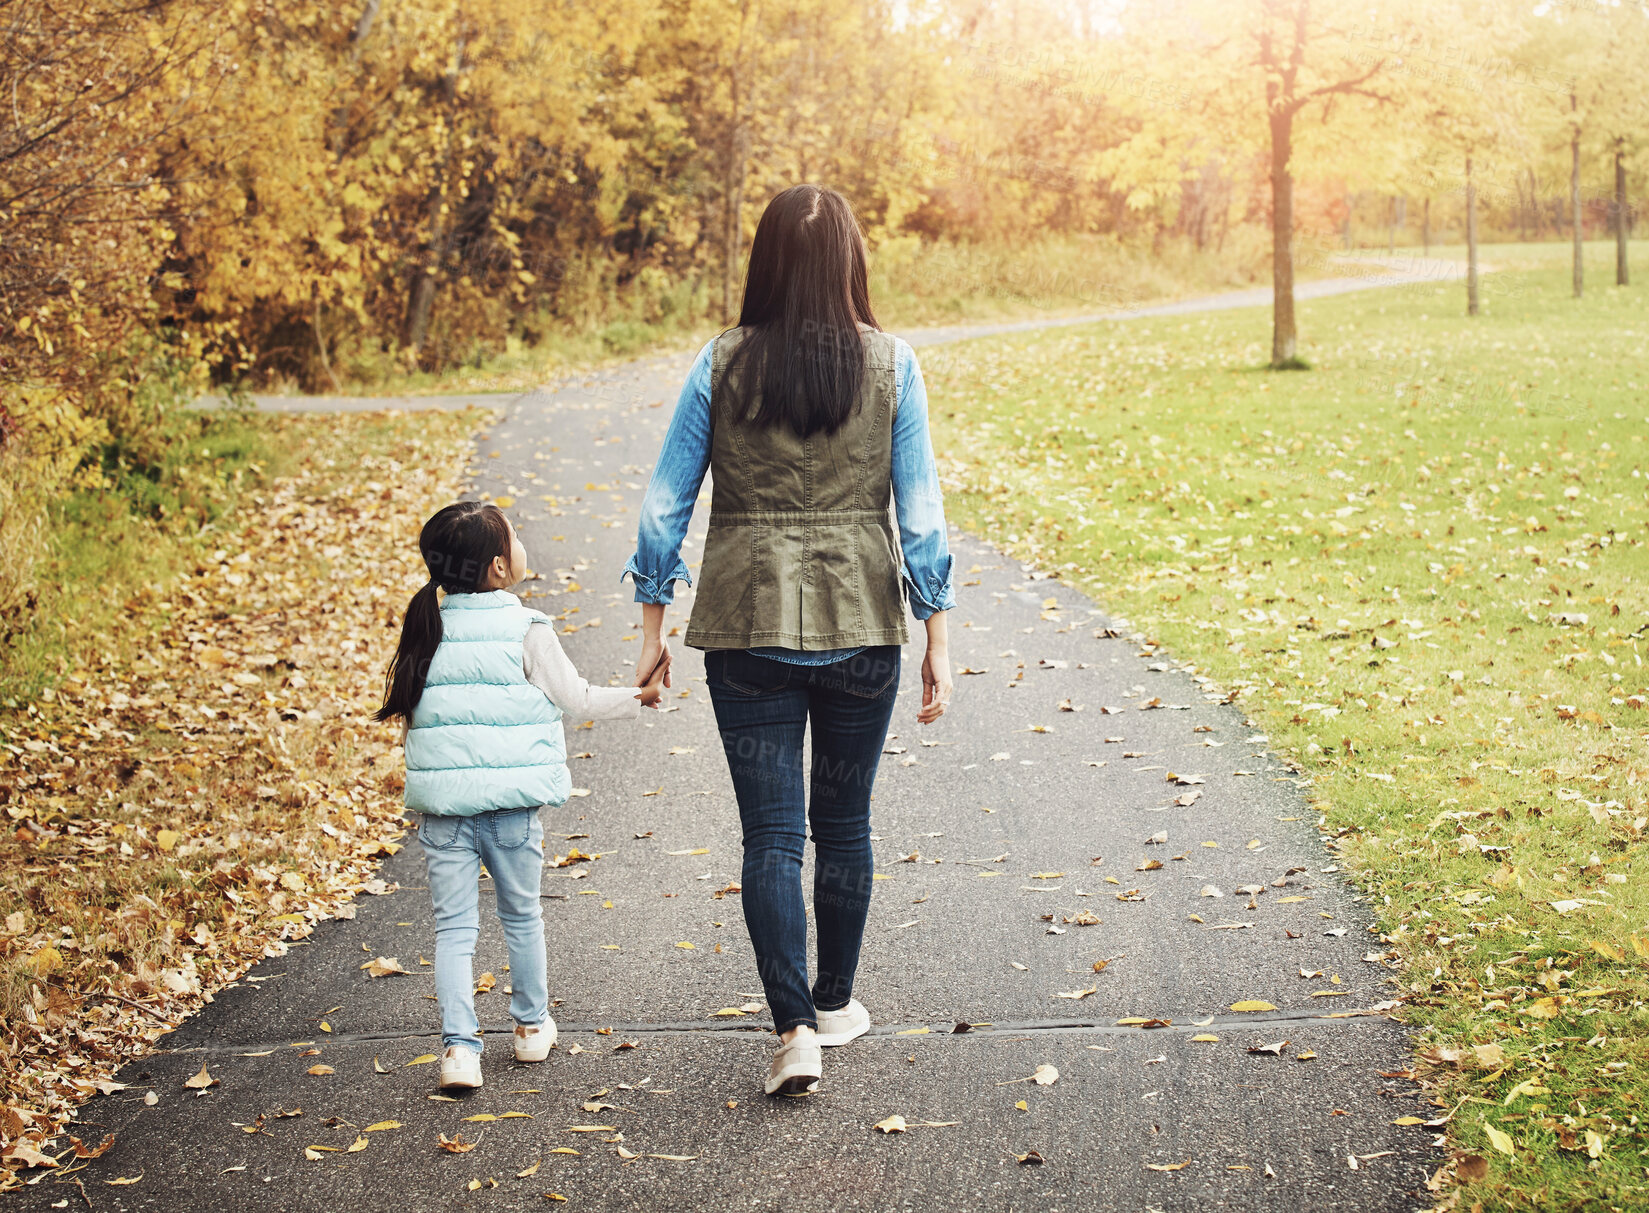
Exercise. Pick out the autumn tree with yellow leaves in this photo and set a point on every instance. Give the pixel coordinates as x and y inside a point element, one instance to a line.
<point>239,191</point>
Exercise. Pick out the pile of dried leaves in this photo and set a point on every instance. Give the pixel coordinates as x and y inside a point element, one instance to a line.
<point>208,784</point>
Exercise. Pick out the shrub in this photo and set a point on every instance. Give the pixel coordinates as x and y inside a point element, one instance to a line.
<point>22,535</point>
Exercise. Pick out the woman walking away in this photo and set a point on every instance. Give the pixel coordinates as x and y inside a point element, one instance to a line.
<point>814,421</point>
<point>483,691</point>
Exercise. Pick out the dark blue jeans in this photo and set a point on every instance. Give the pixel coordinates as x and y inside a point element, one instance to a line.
<point>763,708</point>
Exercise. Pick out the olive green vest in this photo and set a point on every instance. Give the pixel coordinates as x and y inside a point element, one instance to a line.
<point>801,552</point>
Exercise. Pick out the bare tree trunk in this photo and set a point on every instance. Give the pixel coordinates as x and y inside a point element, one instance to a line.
<point>363,27</point>
<point>1425,226</point>
<point>1574,200</point>
<point>320,345</point>
<point>421,301</point>
<point>1471,241</point>
<point>1283,334</point>
<point>1621,214</point>
<point>738,146</point>
<point>733,219</point>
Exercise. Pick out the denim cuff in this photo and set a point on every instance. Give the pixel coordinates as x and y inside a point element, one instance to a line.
<point>655,589</point>
<point>937,595</point>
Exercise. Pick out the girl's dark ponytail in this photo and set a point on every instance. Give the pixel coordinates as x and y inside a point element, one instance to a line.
<point>420,636</point>
<point>459,545</point>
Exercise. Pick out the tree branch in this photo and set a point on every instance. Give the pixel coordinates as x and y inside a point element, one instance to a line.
<point>1352,86</point>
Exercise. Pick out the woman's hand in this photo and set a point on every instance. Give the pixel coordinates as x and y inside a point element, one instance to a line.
<point>653,648</point>
<point>936,683</point>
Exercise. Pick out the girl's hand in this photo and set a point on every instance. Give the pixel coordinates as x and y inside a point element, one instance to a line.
<point>936,684</point>
<point>653,690</point>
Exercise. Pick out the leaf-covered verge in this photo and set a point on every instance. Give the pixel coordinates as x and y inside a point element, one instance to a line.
<point>1421,568</point>
<point>202,783</point>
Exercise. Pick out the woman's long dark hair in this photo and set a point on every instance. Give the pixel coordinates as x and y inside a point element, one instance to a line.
<point>804,297</point>
<point>459,544</point>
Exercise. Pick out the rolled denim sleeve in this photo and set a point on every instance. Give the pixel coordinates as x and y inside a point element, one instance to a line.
<point>668,506</point>
<point>916,496</point>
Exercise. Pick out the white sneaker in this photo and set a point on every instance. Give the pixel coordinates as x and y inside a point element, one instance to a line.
<point>460,1067</point>
<point>796,1069</point>
<point>842,1025</point>
<point>534,1043</point>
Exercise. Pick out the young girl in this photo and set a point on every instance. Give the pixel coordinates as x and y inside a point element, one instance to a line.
<point>480,692</point>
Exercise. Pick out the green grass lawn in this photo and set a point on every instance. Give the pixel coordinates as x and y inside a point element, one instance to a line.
<point>1422,567</point>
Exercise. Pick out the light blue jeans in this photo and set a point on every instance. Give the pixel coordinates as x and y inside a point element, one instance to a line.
<point>511,843</point>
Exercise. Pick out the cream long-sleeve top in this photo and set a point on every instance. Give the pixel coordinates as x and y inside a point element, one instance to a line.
<point>547,667</point>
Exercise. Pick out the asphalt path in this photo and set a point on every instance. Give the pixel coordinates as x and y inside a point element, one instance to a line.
<point>1032,808</point>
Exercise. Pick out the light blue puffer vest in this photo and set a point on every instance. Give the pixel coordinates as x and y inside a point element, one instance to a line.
<point>482,737</point>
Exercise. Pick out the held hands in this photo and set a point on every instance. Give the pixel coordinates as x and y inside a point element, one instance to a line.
<point>936,683</point>
<point>653,672</point>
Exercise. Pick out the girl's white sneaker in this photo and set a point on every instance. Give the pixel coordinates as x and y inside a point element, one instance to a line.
<point>460,1067</point>
<point>533,1043</point>
<point>842,1025</point>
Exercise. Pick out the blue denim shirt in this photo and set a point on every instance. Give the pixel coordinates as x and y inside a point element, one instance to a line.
<point>674,488</point>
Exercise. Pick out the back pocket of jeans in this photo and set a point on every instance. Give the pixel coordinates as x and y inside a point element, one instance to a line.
<point>869,674</point>
<point>511,827</point>
<point>746,674</point>
<point>438,831</point>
